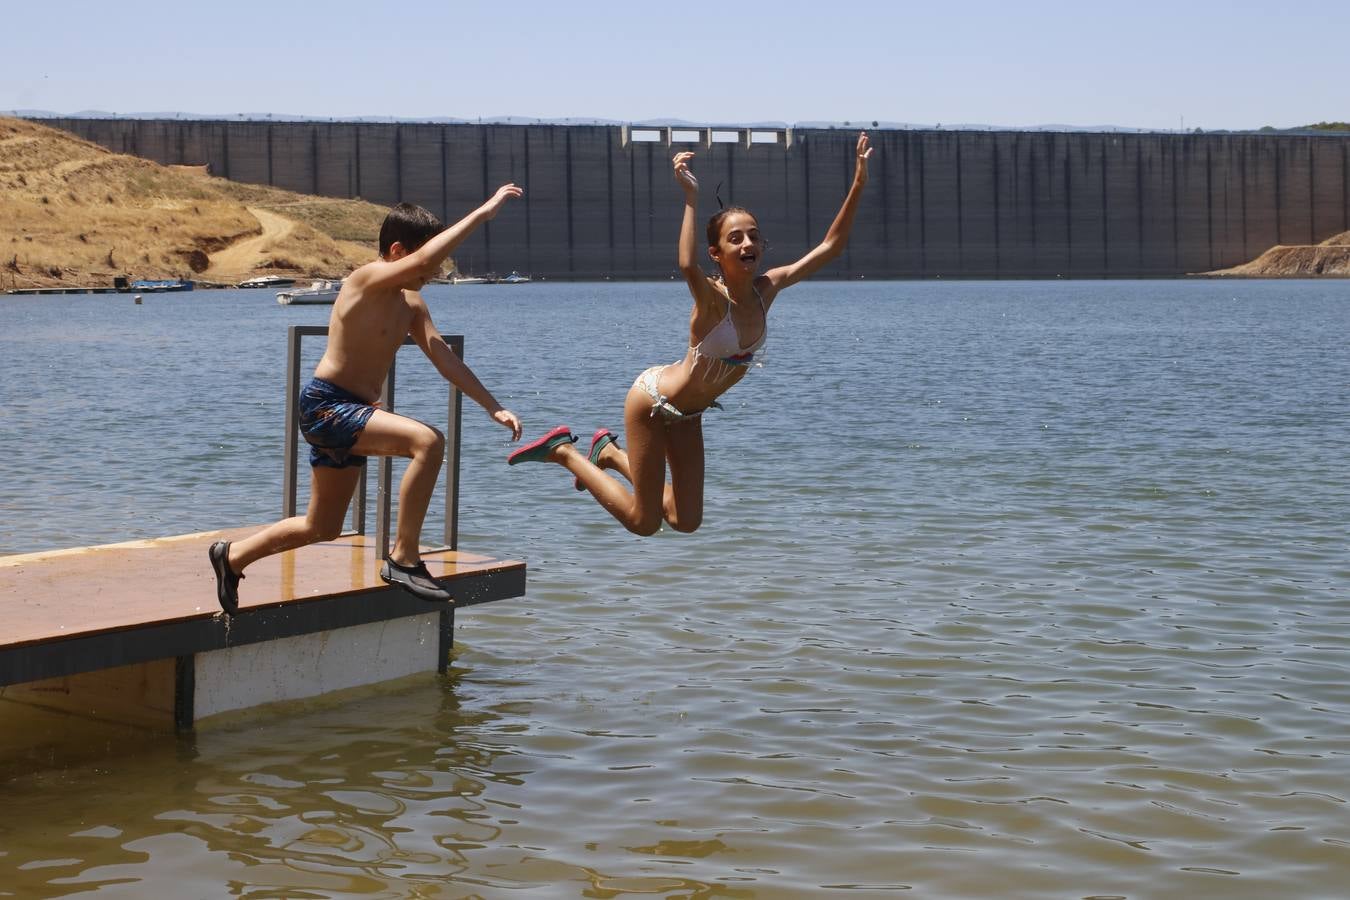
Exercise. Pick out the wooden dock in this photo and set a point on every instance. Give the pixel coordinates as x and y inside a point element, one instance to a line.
<point>134,631</point>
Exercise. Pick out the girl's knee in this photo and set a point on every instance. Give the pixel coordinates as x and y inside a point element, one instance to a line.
<point>644,526</point>
<point>686,524</point>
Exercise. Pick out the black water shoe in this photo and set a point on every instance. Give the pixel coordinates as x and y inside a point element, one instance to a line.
<point>416,580</point>
<point>227,582</point>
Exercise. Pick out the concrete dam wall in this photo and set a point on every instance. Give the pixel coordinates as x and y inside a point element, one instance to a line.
<point>600,200</point>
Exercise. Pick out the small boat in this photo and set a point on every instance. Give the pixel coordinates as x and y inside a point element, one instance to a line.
<point>317,293</point>
<point>468,279</point>
<point>161,287</point>
<point>266,281</point>
<point>514,278</point>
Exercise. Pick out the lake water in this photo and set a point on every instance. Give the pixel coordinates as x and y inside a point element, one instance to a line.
<point>1028,589</point>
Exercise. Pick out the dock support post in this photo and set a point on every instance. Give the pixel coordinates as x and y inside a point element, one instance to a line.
<point>447,640</point>
<point>184,692</point>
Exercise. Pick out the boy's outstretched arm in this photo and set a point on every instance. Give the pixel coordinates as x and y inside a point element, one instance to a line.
<point>452,368</point>
<point>837,237</point>
<point>425,262</point>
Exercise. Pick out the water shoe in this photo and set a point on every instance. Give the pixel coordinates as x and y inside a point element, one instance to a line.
<point>227,582</point>
<point>602,438</point>
<point>538,450</point>
<point>416,580</point>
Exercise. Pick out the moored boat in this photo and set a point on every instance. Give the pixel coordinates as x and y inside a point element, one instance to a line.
<point>266,281</point>
<point>161,287</point>
<point>317,293</point>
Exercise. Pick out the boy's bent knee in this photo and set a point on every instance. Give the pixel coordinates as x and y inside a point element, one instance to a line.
<point>430,442</point>
<point>324,532</point>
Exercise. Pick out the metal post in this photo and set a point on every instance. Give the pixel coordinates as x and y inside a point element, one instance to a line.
<point>384,488</point>
<point>452,455</point>
<point>289,481</point>
<point>383,497</point>
<point>359,507</point>
<point>292,442</point>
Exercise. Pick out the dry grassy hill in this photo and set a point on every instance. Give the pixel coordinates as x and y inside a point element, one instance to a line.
<point>76,214</point>
<point>1329,258</point>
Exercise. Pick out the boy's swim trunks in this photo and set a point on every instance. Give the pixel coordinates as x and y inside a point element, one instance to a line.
<point>331,418</point>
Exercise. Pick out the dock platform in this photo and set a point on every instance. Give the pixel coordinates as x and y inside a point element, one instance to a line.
<point>133,631</point>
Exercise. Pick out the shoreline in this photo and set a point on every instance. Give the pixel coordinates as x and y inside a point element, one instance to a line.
<point>1194,276</point>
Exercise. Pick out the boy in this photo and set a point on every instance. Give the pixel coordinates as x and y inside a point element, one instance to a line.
<point>377,308</point>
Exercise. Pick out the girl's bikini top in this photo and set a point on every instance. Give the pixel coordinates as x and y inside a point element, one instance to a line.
<point>723,344</point>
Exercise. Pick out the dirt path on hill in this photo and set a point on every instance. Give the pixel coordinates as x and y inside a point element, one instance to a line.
<point>244,256</point>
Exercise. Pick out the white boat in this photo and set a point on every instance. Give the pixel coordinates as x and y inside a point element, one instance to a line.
<point>514,278</point>
<point>266,281</point>
<point>468,279</point>
<point>317,293</point>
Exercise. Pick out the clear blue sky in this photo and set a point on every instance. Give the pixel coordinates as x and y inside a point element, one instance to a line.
<point>1146,64</point>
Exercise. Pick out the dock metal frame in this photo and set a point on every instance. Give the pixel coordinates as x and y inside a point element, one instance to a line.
<point>384,491</point>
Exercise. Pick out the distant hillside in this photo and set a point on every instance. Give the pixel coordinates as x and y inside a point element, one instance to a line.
<point>80,215</point>
<point>1329,258</point>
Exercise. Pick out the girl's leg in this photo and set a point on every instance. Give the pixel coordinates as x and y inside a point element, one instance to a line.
<point>682,504</point>
<point>389,434</point>
<point>682,500</point>
<point>644,466</point>
<point>330,492</point>
<point>615,458</point>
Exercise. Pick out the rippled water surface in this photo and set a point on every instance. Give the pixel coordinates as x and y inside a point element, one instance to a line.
<point>1004,590</point>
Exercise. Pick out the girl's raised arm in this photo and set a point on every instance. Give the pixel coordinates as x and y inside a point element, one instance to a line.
<point>836,238</point>
<point>688,252</point>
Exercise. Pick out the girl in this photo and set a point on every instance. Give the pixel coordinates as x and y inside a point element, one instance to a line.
<point>727,332</point>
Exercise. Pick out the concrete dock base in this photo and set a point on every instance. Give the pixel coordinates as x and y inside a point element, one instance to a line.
<point>310,665</point>
<point>185,691</point>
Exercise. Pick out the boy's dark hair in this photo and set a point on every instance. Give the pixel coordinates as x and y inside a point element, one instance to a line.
<point>410,225</point>
<point>715,223</point>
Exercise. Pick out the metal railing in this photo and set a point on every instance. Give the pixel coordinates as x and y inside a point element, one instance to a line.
<point>385,490</point>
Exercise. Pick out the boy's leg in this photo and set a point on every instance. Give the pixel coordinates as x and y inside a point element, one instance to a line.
<point>389,434</point>
<point>329,495</point>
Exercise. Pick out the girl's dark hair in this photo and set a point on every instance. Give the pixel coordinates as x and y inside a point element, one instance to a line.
<point>412,226</point>
<point>715,223</point>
